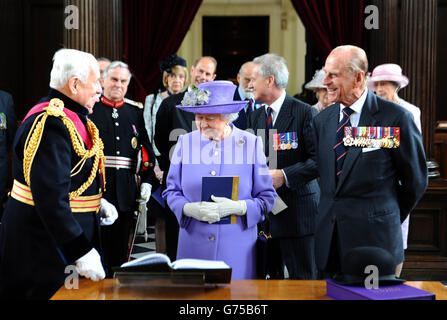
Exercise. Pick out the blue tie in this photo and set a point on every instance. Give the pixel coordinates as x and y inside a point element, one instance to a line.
<point>339,147</point>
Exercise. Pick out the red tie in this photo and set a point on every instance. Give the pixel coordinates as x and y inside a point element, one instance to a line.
<point>269,124</point>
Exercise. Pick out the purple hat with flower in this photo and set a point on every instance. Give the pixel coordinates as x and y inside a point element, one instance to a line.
<point>211,97</point>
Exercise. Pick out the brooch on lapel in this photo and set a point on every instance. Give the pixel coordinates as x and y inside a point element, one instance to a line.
<point>241,141</point>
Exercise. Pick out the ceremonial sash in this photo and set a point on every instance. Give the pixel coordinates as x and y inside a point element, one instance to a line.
<point>79,125</point>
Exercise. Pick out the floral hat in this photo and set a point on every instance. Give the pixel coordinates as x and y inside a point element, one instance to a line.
<point>211,97</point>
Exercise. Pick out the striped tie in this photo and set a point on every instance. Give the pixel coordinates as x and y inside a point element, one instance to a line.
<point>339,147</point>
<point>269,124</point>
<point>249,106</point>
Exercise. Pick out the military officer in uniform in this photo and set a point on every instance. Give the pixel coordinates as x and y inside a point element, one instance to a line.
<point>121,126</point>
<point>51,220</point>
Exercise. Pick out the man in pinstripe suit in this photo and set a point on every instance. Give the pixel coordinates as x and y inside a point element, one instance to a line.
<point>290,151</point>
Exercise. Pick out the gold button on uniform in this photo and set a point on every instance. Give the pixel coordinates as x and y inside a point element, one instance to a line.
<point>213,173</point>
<point>212,238</point>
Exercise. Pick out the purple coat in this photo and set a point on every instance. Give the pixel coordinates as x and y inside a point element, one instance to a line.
<point>240,154</point>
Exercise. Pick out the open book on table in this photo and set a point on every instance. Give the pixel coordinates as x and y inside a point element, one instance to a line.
<point>157,263</point>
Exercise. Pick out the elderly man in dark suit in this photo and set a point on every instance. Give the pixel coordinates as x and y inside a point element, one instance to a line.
<point>290,150</point>
<point>8,127</point>
<point>371,163</point>
<point>245,92</point>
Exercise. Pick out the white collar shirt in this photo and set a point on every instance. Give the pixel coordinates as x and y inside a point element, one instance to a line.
<point>276,106</point>
<point>356,107</point>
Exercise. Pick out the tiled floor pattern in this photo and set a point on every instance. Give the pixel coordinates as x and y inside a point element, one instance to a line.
<point>143,247</point>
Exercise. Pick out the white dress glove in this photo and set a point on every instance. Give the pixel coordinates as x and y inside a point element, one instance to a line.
<point>227,206</point>
<point>108,213</point>
<point>90,266</point>
<point>203,211</point>
<point>145,191</point>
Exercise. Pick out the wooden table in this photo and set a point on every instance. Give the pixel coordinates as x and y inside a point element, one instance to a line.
<point>110,289</point>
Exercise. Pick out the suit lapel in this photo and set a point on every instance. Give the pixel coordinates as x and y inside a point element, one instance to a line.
<point>366,119</point>
<point>331,124</point>
<point>260,119</point>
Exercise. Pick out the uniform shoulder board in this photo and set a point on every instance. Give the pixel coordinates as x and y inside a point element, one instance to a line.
<point>134,103</point>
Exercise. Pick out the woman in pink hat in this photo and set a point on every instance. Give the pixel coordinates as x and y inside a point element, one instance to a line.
<point>218,149</point>
<point>386,80</point>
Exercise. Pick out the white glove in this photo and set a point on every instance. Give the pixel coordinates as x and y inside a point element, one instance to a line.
<point>227,206</point>
<point>108,213</point>
<point>90,266</point>
<point>145,191</point>
<point>203,211</point>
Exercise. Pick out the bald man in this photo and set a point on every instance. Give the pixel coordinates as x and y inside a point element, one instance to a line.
<point>371,163</point>
<point>245,92</point>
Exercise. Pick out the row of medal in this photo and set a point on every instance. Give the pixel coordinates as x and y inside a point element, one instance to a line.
<point>285,141</point>
<point>134,140</point>
<point>372,137</point>
<point>2,121</point>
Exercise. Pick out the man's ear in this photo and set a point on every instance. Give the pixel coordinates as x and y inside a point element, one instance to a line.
<point>271,80</point>
<point>214,77</point>
<point>359,77</point>
<point>73,85</point>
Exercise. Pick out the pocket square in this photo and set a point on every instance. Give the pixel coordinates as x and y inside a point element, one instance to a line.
<point>369,149</point>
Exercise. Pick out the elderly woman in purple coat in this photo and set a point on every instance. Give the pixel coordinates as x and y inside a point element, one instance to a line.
<point>218,148</point>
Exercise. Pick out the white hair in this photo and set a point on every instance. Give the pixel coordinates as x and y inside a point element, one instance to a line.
<point>114,65</point>
<point>71,63</point>
<point>273,65</point>
<point>229,116</point>
<point>358,60</point>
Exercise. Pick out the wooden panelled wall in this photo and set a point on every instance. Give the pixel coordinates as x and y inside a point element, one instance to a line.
<point>100,28</point>
<point>32,30</point>
<point>407,36</point>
